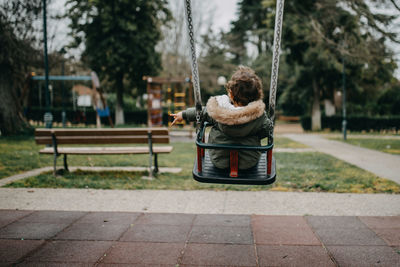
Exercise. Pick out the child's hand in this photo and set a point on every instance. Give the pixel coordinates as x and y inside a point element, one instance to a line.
<point>177,117</point>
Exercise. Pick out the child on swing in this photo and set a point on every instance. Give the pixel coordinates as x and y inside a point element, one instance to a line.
<point>238,117</point>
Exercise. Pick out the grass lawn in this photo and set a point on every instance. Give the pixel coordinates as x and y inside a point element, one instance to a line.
<point>312,172</point>
<point>387,145</point>
<point>19,154</point>
<point>283,142</point>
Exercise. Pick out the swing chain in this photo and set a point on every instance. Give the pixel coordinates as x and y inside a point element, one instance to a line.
<point>195,71</point>
<point>275,65</point>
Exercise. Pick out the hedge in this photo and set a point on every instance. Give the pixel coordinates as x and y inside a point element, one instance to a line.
<point>355,123</point>
<point>88,116</point>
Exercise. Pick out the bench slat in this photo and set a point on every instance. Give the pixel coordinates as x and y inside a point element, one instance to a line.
<point>106,150</point>
<point>101,132</point>
<point>124,139</point>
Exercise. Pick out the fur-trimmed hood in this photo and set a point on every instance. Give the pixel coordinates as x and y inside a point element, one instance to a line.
<point>228,116</point>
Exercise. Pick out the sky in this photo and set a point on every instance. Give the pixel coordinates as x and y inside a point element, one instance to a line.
<point>225,12</point>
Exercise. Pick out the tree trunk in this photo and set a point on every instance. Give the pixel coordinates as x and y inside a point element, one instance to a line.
<point>316,109</point>
<point>12,121</point>
<point>330,109</point>
<point>259,44</point>
<point>119,107</point>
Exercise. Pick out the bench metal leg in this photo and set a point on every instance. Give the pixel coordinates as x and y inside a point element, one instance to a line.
<point>155,163</point>
<point>55,164</point>
<point>150,141</point>
<point>151,173</point>
<point>65,163</point>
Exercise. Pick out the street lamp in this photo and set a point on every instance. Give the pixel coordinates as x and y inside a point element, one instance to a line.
<point>63,114</point>
<point>344,121</point>
<point>221,81</point>
<point>48,117</point>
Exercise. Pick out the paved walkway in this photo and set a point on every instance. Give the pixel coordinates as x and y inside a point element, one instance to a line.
<point>202,202</point>
<point>382,164</point>
<point>55,238</point>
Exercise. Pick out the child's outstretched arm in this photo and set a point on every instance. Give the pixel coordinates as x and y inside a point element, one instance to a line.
<point>177,118</point>
<point>190,115</point>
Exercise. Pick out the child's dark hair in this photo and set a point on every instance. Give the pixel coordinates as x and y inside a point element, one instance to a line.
<point>245,86</point>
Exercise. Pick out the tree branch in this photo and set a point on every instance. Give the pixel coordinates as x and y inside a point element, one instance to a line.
<point>395,5</point>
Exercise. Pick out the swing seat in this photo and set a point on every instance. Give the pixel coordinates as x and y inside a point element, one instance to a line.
<point>256,175</point>
<point>204,171</point>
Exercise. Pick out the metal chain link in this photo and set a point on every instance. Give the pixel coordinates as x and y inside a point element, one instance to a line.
<point>195,70</point>
<point>275,65</point>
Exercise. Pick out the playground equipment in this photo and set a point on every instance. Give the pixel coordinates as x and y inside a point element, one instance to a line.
<point>99,102</point>
<point>204,170</point>
<point>176,97</point>
<point>51,93</point>
<point>86,97</point>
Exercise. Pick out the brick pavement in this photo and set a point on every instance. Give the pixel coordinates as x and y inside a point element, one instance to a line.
<point>65,238</point>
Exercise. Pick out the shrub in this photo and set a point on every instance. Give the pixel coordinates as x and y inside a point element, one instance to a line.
<point>355,123</point>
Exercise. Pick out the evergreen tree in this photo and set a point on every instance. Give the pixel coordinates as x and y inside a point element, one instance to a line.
<point>119,38</point>
<point>319,35</point>
<point>249,29</point>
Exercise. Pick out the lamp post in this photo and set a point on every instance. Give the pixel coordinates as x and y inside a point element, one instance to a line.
<point>338,31</point>
<point>344,121</point>
<point>221,81</point>
<point>63,113</point>
<point>48,117</point>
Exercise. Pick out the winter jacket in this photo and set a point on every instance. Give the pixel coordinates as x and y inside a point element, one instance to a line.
<point>234,125</point>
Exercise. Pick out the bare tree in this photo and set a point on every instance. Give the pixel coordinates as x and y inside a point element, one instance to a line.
<point>175,47</point>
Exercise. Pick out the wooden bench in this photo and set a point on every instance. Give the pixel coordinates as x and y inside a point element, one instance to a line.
<point>56,138</point>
